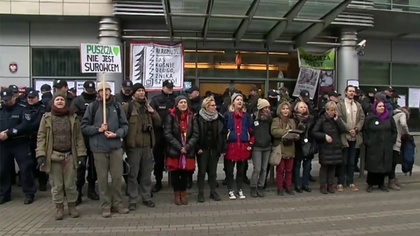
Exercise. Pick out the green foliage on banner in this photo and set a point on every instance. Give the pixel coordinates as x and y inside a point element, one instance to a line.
<point>324,61</point>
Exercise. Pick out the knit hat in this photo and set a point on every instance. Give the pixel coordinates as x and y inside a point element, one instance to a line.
<point>262,103</point>
<point>234,96</point>
<point>137,86</point>
<point>99,87</point>
<point>179,98</point>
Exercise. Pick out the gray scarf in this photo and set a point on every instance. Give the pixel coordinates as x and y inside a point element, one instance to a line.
<point>207,116</point>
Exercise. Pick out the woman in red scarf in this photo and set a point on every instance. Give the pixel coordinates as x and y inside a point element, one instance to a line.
<point>182,135</point>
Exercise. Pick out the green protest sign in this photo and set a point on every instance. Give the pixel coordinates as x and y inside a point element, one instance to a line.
<point>319,61</point>
<point>100,58</point>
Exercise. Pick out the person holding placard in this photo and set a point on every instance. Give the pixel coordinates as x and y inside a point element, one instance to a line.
<point>105,129</point>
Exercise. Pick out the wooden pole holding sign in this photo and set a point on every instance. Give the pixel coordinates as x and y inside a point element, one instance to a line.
<point>104,97</point>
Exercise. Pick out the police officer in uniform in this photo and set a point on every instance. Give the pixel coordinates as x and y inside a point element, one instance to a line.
<point>46,94</point>
<point>14,145</point>
<point>161,103</point>
<point>79,106</point>
<point>125,95</point>
<point>35,110</point>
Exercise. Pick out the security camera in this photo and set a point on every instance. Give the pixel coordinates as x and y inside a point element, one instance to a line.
<point>362,43</point>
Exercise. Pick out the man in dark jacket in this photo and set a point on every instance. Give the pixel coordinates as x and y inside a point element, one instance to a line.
<point>126,91</point>
<point>79,106</point>
<point>161,104</point>
<point>194,99</point>
<point>253,100</point>
<point>46,94</point>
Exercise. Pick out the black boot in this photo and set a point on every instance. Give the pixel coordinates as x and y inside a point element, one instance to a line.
<point>260,192</point>
<point>157,187</point>
<point>79,196</point>
<point>254,192</point>
<point>91,194</point>
<point>189,181</point>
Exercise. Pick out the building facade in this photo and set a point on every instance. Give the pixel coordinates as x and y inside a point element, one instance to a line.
<point>42,39</point>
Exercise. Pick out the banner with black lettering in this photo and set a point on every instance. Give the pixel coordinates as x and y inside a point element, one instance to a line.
<point>152,63</point>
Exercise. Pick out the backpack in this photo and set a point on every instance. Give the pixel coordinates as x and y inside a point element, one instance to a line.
<point>408,153</point>
<point>95,107</point>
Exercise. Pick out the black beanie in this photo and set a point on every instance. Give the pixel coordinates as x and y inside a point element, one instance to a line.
<point>179,98</point>
<point>137,86</point>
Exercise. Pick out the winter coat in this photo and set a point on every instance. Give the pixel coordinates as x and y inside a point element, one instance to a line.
<point>278,130</point>
<point>379,138</point>
<point>139,118</point>
<point>221,134</point>
<point>306,127</point>
<point>239,136</point>
<point>360,119</point>
<point>45,140</point>
<point>172,133</point>
<point>400,118</point>
<point>117,123</point>
<point>261,129</point>
<point>329,153</point>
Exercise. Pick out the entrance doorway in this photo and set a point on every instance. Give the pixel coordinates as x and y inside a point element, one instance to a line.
<point>222,87</point>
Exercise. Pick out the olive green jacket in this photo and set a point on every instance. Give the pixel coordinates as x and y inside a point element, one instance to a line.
<point>44,145</point>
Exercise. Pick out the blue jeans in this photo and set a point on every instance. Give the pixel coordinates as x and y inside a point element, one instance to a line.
<point>346,175</point>
<point>304,180</point>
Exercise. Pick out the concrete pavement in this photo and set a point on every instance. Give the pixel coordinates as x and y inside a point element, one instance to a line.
<point>348,213</point>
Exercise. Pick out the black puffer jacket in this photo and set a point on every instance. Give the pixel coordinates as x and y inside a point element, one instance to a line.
<point>329,153</point>
<point>220,136</point>
<point>172,133</point>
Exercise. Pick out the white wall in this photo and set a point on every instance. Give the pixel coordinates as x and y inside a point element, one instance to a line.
<point>17,39</point>
<point>400,52</point>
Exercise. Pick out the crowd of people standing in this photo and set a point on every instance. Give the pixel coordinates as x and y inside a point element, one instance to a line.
<point>62,138</point>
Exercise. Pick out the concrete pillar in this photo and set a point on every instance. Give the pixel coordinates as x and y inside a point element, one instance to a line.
<point>347,60</point>
<point>109,34</point>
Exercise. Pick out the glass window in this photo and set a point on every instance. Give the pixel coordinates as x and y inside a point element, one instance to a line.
<point>405,74</point>
<point>57,62</point>
<point>374,72</point>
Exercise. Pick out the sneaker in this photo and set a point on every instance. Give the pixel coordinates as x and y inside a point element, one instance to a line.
<point>241,194</point>
<point>340,188</point>
<point>232,195</point>
<point>353,187</point>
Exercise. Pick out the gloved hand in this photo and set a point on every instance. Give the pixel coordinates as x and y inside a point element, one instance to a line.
<point>82,160</point>
<point>41,161</point>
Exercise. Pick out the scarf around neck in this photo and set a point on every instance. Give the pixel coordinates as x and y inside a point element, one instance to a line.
<point>207,116</point>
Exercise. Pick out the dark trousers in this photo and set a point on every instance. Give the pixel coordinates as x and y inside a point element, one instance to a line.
<point>159,157</point>
<point>375,179</point>
<point>91,172</point>
<point>22,154</point>
<point>179,180</point>
<point>395,157</point>
<point>229,168</point>
<point>327,174</point>
<point>346,174</point>
<point>246,166</point>
<point>305,164</point>
<point>40,175</point>
<point>207,163</point>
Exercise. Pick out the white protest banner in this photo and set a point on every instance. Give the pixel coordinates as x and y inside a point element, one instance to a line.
<point>307,80</point>
<point>151,64</point>
<point>100,58</point>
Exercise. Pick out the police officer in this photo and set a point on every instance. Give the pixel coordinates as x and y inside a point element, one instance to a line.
<point>125,95</point>
<point>35,110</point>
<point>46,94</point>
<point>161,103</point>
<point>79,106</point>
<point>14,145</point>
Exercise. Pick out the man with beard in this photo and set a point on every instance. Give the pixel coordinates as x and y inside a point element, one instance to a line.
<point>139,143</point>
<point>125,95</point>
<point>161,104</point>
<point>105,143</point>
<point>35,110</point>
<point>79,106</point>
<point>46,94</point>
